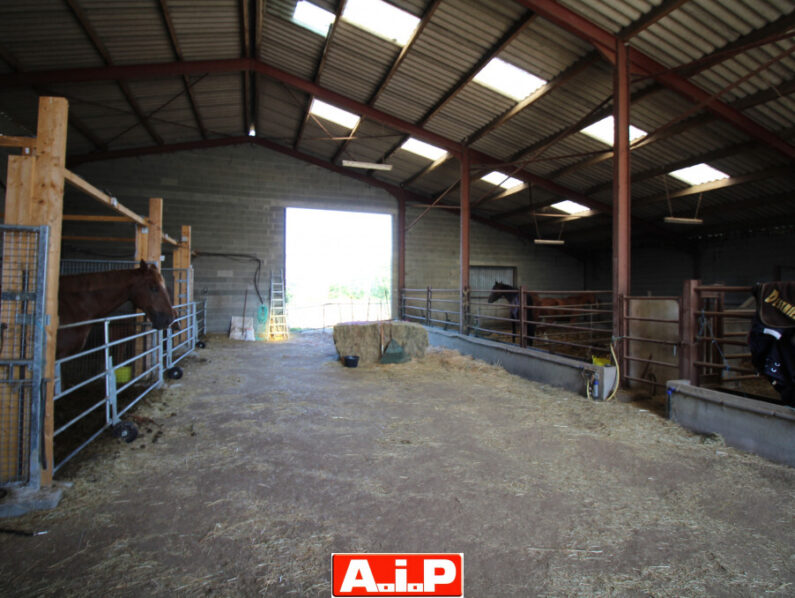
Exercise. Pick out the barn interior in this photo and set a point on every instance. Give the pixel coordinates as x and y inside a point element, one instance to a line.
<point>641,150</point>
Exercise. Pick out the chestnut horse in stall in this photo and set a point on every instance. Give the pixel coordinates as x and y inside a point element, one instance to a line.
<point>533,315</point>
<point>96,295</point>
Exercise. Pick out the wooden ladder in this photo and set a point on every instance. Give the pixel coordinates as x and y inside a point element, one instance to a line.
<point>277,318</point>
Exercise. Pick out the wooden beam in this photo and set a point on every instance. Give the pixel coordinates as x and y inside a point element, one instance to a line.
<point>80,183</point>
<point>12,141</point>
<point>95,218</point>
<point>98,239</point>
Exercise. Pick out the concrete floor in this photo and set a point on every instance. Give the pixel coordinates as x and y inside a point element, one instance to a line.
<point>266,458</point>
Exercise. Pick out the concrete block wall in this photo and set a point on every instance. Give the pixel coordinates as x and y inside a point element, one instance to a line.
<point>657,271</point>
<point>432,255</point>
<point>234,199</point>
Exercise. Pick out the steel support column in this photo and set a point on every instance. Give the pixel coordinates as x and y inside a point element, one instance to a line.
<point>621,193</point>
<point>401,233</point>
<point>464,252</point>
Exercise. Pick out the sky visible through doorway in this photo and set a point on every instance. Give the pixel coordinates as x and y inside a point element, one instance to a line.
<point>338,266</point>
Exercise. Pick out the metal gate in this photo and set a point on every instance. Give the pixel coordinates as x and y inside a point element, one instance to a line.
<point>24,257</point>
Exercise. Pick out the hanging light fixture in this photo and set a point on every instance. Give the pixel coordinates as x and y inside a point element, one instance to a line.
<point>366,165</point>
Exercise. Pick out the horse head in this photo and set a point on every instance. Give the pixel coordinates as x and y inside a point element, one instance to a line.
<point>149,294</point>
<point>498,292</point>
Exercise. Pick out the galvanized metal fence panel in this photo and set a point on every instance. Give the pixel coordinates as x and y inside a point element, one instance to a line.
<point>24,261</point>
<point>124,360</point>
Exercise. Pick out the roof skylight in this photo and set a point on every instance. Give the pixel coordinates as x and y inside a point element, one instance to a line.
<point>698,174</point>
<point>501,179</point>
<point>313,17</point>
<point>570,207</point>
<point>334,114</point>
<point>426,150</point>
<point>381,19</point>
<point>603,130</point>
<point>508,79</point>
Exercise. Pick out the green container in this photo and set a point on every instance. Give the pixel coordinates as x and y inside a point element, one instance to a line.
<point>123,374</point>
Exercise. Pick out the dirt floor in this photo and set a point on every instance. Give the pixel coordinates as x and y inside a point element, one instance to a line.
<point>266,458</point>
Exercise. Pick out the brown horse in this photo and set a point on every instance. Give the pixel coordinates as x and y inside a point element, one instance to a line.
<point>84,297</point>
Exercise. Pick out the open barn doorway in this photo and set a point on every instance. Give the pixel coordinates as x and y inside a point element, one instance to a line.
<point>338,267</point>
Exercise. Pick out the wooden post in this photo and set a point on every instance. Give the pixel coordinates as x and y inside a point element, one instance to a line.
<point>183,275</point>
<point>47,209</point>
<point>687,342</point>
<point>148,243</point>
<point>17,251</point>
<point>154,240</point>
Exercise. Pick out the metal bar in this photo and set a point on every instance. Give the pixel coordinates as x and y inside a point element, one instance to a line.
<point>652,362</point>
<point>720,366</point>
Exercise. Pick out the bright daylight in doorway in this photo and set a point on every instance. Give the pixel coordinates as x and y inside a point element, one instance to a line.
<point>338,267</point>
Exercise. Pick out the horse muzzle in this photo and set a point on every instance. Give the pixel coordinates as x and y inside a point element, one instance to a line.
<point>161,320</point>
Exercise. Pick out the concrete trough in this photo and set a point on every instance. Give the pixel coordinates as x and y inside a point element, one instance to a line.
<point>533,364</point>
<point>765,429</point>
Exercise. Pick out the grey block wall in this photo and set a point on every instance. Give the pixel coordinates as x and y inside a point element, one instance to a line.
<point>234,199</point>
<point>432,255</point>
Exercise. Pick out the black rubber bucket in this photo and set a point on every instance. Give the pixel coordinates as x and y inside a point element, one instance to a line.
<point>350,361</point>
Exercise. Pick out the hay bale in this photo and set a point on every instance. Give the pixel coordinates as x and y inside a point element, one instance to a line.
<point>365,339</point>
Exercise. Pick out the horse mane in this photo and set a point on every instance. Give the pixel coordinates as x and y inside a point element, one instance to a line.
<point>94,281</point>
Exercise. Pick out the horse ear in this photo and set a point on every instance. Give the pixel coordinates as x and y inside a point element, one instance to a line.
<point>144,265</point>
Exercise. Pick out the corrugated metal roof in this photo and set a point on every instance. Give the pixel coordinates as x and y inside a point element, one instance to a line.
<point>46,35</point>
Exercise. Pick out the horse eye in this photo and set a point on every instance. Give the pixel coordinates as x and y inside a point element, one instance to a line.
<point>153,289</point>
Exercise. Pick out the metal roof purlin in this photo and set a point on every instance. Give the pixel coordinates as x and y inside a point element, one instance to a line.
<point>82,20</point>
<point>580,26</point>
<point>426,18</point>
<point>498,47</point>
<point>316,76</point>
<point>172,38</point>
<point>75,122</point>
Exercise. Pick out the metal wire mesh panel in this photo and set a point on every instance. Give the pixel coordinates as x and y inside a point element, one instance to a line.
<point>22,279</point>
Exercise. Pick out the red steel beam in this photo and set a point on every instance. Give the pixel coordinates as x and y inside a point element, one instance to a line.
<point>583,28</point>
<point>464,238</point>
<point>621,189</point>
<point>218,66</point>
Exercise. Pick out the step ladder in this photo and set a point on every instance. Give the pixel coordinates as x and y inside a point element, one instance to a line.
<point>277,318</point>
